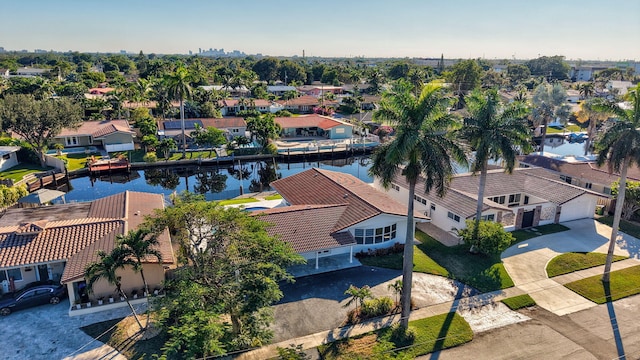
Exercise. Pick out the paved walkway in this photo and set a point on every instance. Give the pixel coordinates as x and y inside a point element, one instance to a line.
<point>526,262</point>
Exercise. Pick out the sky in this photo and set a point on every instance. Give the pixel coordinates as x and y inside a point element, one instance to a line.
<point>490,29</point>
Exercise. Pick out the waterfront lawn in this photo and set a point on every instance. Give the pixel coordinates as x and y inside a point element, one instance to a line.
<point>133,155</point>
<point>193,155</point>
<point>574,261</point>
<point>237,201</point>
<point>567,129</point>
<point>623,283</point>
<point>628,227</point>
<point>430,334</point>
<point>76,161</point>
<point>19,171</point>
<point>526,234</point>
<point>519,302</point>
<point>273,197</point>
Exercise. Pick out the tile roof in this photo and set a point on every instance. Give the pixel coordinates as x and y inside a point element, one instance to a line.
<point>98,129</point>
<point>586,170</point>
<point>313,228</point>
<point>304,100</point>
<point>46,238</point>
<point>225,122</point>
<point>324,187</point>
<point>313,120</point>
<point>461,197</point>
<point>256,102</point>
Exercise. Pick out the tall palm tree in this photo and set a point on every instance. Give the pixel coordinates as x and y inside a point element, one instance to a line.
<point>549,103</point>
<point>619,147</point>
<point>495,132</point>
<point>586,90</point>
<point>421,148</point>
<point>179,87</point>
<point>106,268</point>
<point>140,245</point>
<point>588,113</point>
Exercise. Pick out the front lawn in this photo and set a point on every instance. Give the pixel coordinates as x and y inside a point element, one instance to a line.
<point>19,171</point>
<point>431,334</point>
<point>623,283</point>
<point>485,273</point>
<point>526,234</point>
<point>519,302</point>
<point>77,161</point>
<point>237,201</point>
<point>570,262</point>
<point>628,227</point>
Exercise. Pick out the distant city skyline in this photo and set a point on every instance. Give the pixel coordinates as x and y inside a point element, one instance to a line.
<point>498,29</point>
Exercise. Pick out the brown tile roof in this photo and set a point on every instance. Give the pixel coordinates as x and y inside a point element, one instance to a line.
<point>225,122</point>
<point>324,187</point>
<point>314,120</point>
<point>76,240</point>
<point>461,197</point>
<point>305,100</point>
<point>313,228</point>
<point>588,171</point>
<point>98,129</point>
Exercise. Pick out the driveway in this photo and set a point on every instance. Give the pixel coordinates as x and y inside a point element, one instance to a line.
<point>47,332</point>
<point>526,262</point>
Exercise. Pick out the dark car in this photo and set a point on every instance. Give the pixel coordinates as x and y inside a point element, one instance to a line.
<point>32,296</point>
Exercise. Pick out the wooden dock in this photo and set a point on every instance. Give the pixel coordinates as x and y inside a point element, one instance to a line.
<point>44,181</point>
<point>111,165</point>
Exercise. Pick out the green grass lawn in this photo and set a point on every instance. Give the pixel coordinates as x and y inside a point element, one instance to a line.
<point>77,161</point>
<point>273,197</point>
<point>570,262</point>
<point>19,171</point>
<point>192,155</point>
<point>519,302</point>
<point>237,201</point>
<point>526,234</point>
<point>623,283</point>
<point>568,129</point>
<point>485,273</point>
<point>133,155</point>
<point>431,334</point>
<point>628,227</point>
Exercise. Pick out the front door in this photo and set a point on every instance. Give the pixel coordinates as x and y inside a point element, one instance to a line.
<point>527,219</point>
<point>43,272</point>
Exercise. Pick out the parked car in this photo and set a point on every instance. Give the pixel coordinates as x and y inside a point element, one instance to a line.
<point>32,296</point>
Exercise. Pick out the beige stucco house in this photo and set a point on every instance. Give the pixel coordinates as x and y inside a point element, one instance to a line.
<point>113,135</point>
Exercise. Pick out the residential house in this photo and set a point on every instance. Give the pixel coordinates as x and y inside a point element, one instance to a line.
<point>280,90</point>
<point>232,126</point>
<point>4,73</point>
<point>333,213</point>
<point>319,90</point>
<point>584,173</point>
<point>101,90</point>
<point>9,157</point>
<point>523,199</point>
<point>236,92</point>
<point>57,243</point>
<point>573,96</point>
<point>314,125</point>
<point>113,135</point>
<point>29,71</point>
<point>231,107</point>
<point>305,104</point>
<point>621,87</point>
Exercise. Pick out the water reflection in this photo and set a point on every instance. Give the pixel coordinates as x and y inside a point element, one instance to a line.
<point>214,182</point>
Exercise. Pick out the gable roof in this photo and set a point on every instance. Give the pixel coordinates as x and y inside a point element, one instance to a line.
<point>313,120</point>
<point>256,102</point>
<point>323,187</point>
<point>189,124</point>
<point>98,129</point>
<point>312,229</point>
<point>461,197</point>
<point>76,239</point>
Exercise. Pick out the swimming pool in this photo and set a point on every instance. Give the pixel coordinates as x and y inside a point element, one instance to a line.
<point>74,150</point>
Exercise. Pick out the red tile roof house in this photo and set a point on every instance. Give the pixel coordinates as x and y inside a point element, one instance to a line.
<point>230,107</point>
<point>113,135</point>
<point>333,213</point>
<point>305,104</point>
<point>526,198</point>
<point>314,125</point>
<point>58,242</point>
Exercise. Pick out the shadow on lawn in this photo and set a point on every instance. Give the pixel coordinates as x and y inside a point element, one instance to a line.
<point>614,321</point>
<point>442,335</point>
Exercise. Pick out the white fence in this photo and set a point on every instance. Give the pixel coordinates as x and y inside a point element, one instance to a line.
<point>119,147</point>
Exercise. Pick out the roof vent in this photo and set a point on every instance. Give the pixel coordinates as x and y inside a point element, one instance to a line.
<point>345,196</point>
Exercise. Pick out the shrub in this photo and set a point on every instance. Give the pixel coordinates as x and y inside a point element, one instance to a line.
<point>376,307</point>
<point>271,148</point>
<point>402,336</point>
<point>150,157</point>
<point>283,113</point>
<point>395,249</point>
<point>492,238</point>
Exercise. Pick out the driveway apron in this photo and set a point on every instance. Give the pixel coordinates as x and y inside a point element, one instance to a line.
<point>526,262</point>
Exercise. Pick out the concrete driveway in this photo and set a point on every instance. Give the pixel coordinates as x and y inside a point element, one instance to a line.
<point>47,332</point>
<point>526,262</point>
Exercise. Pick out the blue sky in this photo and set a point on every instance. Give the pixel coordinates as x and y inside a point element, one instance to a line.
<point>577,29</point>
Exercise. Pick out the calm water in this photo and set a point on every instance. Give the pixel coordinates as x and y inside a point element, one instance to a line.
<point>216,183</point>
<point>561,146</point>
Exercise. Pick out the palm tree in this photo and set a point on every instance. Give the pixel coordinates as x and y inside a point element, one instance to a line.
<point>495,132</point>
<point>396,286</point>
<point>106,268</point>
<point>619,147</point>
<point>179,87</point>
<point>140,244</point>
<point>421,148</point>
<point>358,295</point>
<point>549,103</point>
<point>586,90</point>
<point>588,113</point>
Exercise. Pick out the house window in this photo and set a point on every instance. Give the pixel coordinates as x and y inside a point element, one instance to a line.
<point>514,200</point>
<point>526,199</point>
<point>419,199</point>
<point>16,274</point>
<point>71,140</point>
<point>433,207</point>
<point>566,179</point>
<point>606,191</point>
<point>235,130</point>
<point>490,217</point>
<point>498,199</point>
<point>453,216</point>
<point>375,236</point>
<point>6,156</point>
<point>395,187</point>
<point>588,185</point>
